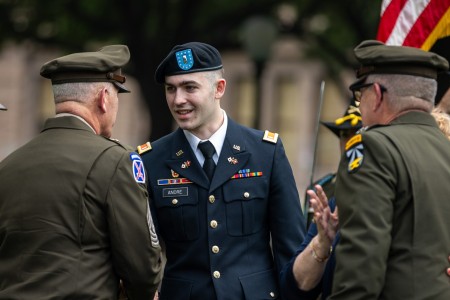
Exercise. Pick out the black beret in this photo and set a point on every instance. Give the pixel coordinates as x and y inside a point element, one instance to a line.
<point>103,65</point>
<point>2,107</point>
<point>350,120</point>
<point>188,58</point>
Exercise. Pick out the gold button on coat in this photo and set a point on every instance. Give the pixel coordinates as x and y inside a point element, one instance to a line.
<point>216,274</point>
<point>174,201</point>
<point>215,249</point>
<point>212,198</point>
<point>246,194</point>
<point>213,223</point>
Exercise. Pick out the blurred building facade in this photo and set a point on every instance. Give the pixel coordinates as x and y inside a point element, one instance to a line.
<point>290,88</point>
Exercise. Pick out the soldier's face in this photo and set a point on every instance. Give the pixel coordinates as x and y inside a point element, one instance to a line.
<point>194,102</point>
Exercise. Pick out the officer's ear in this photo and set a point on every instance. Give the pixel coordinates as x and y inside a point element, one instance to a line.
<point>102,99</point>
<point>379,92</point>
<point>220,88</point>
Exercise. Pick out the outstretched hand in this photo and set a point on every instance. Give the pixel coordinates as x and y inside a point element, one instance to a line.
<point>327,222</point>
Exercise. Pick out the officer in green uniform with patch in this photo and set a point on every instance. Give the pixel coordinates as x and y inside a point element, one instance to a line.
<point>392,184</point>
<point>73,202</point>
<point>224,195</point>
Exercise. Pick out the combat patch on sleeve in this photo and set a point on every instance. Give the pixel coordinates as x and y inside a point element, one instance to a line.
<point>271,137</point>
<point>138,168</point>
<point>354,151</point>
<point>144,148</point>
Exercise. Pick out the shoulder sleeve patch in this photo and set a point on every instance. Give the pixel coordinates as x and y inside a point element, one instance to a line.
<point>144,148</point>
<point>354,151</point>
<point>271,137</point>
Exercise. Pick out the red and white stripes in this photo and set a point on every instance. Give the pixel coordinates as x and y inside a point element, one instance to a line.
<point>415,23</point>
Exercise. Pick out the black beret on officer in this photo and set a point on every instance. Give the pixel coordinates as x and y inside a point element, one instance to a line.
<point>377,58</point>
<point>103,65</point>
<point>188,58</point>
<point>350,120</point>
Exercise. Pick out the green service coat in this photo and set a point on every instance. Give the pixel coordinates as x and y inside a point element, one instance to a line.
<point>73,218</point>
<point>392,191</point>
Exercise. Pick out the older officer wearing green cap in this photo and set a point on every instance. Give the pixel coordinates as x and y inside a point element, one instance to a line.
<point>224,195</point>
<point>392,184</point>
<point>73,202</point>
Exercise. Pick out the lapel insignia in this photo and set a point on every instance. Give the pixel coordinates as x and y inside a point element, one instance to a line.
<point>236,147</point>
<point>271,137</point>
<point>244,173</point>
<point>354,151</point>
<point>174,174</point>
<point>232,160</point>
<point>144,148</point>
<point>186,164</point>
<point>173,181</point>
<point>180,152</point>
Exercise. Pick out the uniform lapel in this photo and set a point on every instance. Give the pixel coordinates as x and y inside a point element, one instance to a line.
<point>232,157</point>
<point>184,162</point>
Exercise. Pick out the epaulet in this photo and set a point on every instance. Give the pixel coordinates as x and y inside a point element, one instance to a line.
<point>144,148</point>
<point>271,137</point>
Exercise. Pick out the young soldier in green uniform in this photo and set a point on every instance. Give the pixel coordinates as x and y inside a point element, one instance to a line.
<point>73,203</point>
<point>392,183</point>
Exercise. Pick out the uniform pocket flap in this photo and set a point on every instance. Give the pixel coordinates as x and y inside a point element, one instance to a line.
<point>245,189</point>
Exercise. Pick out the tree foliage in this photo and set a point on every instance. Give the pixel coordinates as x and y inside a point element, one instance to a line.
<point>151,28</point>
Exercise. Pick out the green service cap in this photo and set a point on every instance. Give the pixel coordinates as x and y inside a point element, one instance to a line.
<point>378,58</point>
<point>103,65</point>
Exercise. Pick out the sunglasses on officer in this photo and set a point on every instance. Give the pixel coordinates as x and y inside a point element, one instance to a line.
<point>357,91</point>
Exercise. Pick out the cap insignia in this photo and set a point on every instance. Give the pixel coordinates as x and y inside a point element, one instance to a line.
<point>354,151</point>
<point>270,137</point>
<point>184,59</point>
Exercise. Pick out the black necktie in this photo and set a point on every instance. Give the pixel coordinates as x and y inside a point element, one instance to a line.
<point>208,151</point>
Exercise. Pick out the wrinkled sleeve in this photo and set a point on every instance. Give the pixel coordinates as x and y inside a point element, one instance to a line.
<point>287,224</point>
<point>365,199</point>
<point>135,247</point>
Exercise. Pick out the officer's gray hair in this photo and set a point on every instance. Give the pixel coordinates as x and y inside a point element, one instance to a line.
<point>407,91</point>
<point>78,91</point>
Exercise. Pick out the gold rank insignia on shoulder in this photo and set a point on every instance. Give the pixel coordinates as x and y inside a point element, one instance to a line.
<point>144,148</point>
<point>271,137</point>
<point>354,151</point>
